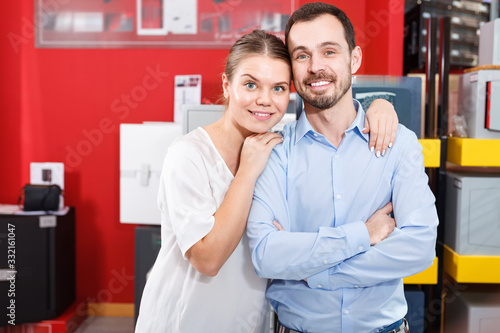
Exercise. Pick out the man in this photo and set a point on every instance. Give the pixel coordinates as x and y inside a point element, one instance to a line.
<point>339,263</point>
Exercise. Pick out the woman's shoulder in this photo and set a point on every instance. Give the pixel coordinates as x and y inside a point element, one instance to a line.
<point>193,145</point>
<point>193,140</point>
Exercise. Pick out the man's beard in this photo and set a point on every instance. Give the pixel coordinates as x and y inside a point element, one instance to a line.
<point>323,101</point>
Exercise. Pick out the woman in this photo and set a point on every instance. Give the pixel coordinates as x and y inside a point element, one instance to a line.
<point>203,278</point>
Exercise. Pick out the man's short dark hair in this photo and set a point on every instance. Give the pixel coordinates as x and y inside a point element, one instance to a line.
<point>310,11</point>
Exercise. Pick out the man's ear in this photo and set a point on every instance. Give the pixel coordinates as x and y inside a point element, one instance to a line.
<point>356,57</point>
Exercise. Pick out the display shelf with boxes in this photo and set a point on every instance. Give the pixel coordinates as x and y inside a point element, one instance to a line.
<point>471,250</point>
<point>472,237</point>
<point>466,19</point>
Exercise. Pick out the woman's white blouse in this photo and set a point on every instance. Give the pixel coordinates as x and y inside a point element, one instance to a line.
<point>177,298</point>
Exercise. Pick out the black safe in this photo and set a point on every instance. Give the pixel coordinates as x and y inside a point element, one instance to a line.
<point>37,267</point>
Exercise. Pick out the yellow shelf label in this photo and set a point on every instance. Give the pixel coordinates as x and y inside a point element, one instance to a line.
<point>432,152</point>
<point>471,269</point>
<point>473,152</point>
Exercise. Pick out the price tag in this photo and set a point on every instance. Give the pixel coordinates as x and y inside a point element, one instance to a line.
<point>48,221</point>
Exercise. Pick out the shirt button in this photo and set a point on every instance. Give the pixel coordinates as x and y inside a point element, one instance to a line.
<point>346,311</point>
<point>336,156</point>
<point>356,286</point>
<point>320,286</point>
<point>325,261</point>
<point>315,134</point>
<point>339,196</point>
<point>360,248</point>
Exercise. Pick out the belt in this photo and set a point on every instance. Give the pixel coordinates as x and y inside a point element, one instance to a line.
<point>283,329</point>
<point>401,326</point>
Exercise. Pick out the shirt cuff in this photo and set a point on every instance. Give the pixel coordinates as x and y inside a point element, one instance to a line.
<point>319,280</point>
<point>358,239</point>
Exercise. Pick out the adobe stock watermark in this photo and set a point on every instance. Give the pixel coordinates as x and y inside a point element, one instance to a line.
<point>29,27</point>
<point>115,286</point>
<point>120,108</point>
<point>377,21</point>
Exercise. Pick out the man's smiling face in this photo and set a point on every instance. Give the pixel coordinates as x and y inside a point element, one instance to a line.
<point>321,61</point>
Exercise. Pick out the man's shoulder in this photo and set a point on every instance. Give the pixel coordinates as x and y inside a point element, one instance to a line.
<point>404,134</point>
<point>406,143</point>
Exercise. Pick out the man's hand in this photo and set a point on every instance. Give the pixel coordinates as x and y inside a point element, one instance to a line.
<point>380,225</point>
<point>278,226</point>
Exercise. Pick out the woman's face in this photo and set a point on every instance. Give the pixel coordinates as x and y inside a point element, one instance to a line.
<point>258,93</point>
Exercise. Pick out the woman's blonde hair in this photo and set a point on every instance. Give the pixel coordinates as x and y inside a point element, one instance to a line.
<point>258,42</point>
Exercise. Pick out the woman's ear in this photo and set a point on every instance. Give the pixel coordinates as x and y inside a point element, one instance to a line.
<point>225,86</point>
<point>356,57</point>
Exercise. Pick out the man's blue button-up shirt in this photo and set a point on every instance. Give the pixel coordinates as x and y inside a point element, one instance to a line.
<point>322,195</point>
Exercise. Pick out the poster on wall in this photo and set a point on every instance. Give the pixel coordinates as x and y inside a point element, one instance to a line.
<point>155,23</point>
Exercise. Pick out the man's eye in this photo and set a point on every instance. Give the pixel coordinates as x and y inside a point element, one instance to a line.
<point>301,57</point>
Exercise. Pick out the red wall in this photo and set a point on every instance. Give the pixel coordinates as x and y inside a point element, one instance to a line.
<point>65,105</point>
<point>381,37</point>
<point>10,104</point>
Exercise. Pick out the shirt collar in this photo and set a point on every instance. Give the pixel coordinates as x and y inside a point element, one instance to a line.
<point>304,127</point>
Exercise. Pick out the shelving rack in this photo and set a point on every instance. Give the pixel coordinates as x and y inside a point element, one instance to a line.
<point>432,158</point>
<point>467,152</point>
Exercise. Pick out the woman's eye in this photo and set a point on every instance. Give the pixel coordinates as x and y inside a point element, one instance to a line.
<point>279,88</point>
<point>250,85</point>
